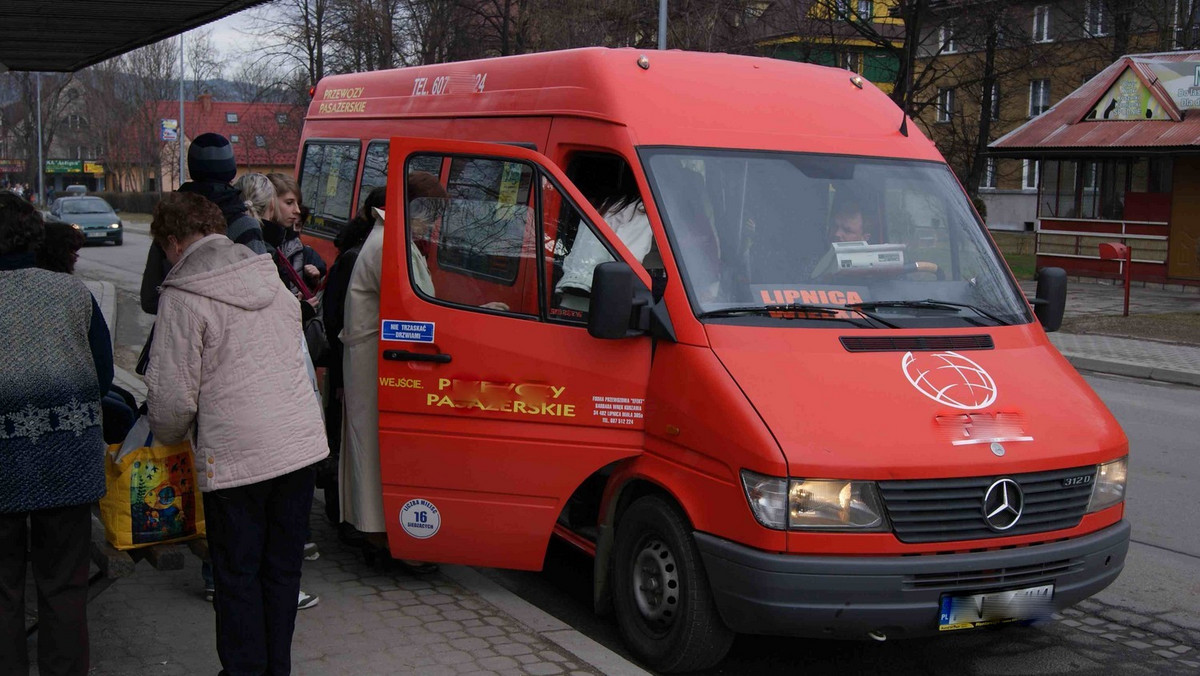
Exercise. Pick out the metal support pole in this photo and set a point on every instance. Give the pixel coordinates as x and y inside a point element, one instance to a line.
<point>41,174</point>
<point>181,75</point>
<point>662,24</point>
<point>1128,276</point>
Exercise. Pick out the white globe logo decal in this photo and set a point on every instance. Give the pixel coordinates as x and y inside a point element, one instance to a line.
<point>950,378</point>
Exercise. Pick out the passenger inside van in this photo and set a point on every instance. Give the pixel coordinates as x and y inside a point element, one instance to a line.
<point>623,210</point>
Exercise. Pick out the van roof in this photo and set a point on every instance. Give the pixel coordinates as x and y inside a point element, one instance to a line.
<point>681,99</point>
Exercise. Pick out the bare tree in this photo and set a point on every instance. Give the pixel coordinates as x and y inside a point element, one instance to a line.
<point>204,61</point>
<point>21,117</point>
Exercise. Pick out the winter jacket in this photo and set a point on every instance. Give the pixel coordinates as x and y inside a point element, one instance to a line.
<point>57,364</point>
<point>227,364</point>
<point>240,227</point>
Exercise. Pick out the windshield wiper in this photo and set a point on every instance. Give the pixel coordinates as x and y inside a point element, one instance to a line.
<point>929,304</point>
<point>814,312</point>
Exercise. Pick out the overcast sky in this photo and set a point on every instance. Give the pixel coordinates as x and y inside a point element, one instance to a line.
<point>226,36</point>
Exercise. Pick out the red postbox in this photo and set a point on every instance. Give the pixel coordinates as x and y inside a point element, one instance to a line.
<point>1119,252</point>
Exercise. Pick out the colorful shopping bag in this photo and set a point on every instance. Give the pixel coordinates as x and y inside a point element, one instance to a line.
<point>152,492</point>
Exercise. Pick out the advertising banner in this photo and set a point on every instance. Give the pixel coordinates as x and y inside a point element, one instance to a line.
<point>64,166</point>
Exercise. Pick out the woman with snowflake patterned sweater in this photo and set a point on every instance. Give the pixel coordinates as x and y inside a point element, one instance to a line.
<point>55,365</point>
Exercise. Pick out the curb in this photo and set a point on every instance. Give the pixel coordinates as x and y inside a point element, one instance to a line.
<point>1131,370</point>
<point>544,624</point>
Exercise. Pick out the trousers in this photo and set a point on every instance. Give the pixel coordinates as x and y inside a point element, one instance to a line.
<point>58,541</point>
<point>256,536</point>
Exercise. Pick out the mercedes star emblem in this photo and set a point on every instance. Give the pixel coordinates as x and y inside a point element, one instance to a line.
<point>1003,504</point>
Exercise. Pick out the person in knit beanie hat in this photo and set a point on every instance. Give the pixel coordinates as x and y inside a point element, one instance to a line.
<point>211,165</point>
<point>210,159</point>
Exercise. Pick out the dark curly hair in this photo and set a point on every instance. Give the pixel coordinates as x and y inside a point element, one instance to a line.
<point>20,225</point>
<point>60,247</point>
<point>182,214</point>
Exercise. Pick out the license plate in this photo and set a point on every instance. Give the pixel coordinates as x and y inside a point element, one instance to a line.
<point>979,610</point>
<point>97,234</point>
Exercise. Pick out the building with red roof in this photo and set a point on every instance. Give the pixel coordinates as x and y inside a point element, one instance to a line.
<point>1119,161</point>
<point>264,136</point>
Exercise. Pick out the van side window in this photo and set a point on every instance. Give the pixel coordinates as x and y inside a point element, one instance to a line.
<point>327,183</point>
<point>608,183</point>
<point>375,167</point>
<point>481,235</point>
<point>472,240</point>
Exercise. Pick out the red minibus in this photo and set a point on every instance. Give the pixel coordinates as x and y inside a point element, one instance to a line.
<point>727,325</point>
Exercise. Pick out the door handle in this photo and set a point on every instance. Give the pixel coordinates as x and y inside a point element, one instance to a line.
<point>405,355</point>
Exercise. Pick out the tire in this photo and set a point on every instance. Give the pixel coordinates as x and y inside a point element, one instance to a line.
<point>672,625</point>
<point>120,240</point>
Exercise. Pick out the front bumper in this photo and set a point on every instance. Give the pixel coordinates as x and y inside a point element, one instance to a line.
<point>101,235</point>
<point>899,596</point>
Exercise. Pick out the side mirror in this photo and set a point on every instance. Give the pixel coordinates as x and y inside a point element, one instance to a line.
<point>1051,299</point>
<point>116,210</point>
<point>620,303</point>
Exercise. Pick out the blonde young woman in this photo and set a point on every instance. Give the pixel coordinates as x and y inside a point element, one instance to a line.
<point>260,199</point>
<point>304,259</point>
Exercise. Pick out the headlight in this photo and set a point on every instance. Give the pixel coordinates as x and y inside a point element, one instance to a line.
<point>1110,484</point>
<point>114,226</point>
<point>816,504</point>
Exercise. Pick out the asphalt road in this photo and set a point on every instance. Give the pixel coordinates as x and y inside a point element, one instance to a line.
<point>1151,611</point>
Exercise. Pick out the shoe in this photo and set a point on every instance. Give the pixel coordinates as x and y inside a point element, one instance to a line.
<point>417,567</point>
<point>311,553</point>
<point>306,601</point>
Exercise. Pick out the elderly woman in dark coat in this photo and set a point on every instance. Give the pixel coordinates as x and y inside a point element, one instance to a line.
<point>57,364</point>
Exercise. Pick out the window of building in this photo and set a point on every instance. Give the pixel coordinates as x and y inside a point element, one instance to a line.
<point>231,118</point>
<point>1095,21</point>
<point>260,141</point>
<point>1029,174</point>
<point>75,121</point>
<point>1039,97</point>
<point>995,100</point>
<point>866,9</point>
<point>989,174</point>
<point>945,105</point>
<point>281,118</point>
<point>851,61</point>
<point>234,138</point>
<point>1041,23</point>
<point>1109,189</point>
<point>1186,26</point>
<point>946,38</point>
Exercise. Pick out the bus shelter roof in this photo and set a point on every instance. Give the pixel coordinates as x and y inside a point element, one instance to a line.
<point>67,35</point>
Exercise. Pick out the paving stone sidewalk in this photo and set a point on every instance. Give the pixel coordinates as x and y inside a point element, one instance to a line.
<point>372,619</point>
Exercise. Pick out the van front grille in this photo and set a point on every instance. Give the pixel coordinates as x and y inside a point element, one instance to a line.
<point>946,510</point>
<point>916,343</point>
<point>994,578</point>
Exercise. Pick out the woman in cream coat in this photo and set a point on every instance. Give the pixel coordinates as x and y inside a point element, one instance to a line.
<point>361,486</point>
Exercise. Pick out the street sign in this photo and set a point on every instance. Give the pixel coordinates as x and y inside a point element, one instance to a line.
<point>170,129</point>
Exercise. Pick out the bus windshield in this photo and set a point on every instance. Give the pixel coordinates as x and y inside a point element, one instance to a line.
<point>757,232</point>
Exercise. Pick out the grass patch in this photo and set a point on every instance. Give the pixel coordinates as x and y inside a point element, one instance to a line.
<point>1172,327</point>
<point>1018,251</point>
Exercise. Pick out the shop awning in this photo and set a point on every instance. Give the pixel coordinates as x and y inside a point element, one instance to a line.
<point>1142,103</point>
<point>67,35</point>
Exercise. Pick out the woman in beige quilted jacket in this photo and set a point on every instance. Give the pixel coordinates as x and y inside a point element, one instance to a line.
<point>227,370</point>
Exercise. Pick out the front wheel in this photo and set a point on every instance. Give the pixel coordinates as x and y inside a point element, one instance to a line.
<point>663,603</point>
